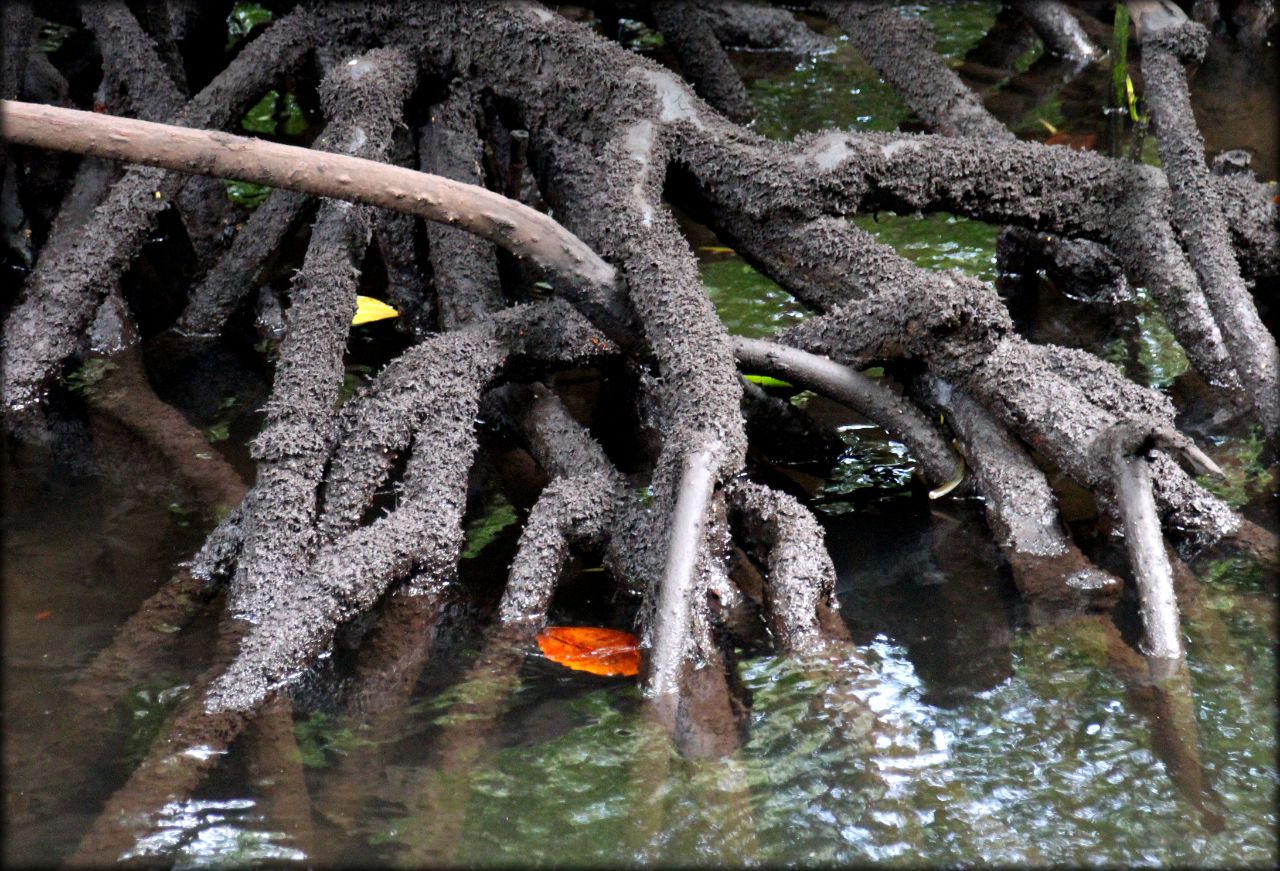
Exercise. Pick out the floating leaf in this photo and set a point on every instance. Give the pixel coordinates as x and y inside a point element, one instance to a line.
<point>591,649</point>
<point>766,381</point>
<point>369,309</point>
<point>43,615</point>
<point>715,249</point>
<point>1053,131</point>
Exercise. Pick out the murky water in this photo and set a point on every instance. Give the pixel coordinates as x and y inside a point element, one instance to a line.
<point>962,731</point>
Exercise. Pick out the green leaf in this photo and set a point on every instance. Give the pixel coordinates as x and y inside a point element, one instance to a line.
<point>51,36</point>
<point>261,117</point>
<point>319,735</point>
<point>767,381</point>
<point>243,19</point>
<point>219,432</point>
<point>483,531</point>
<point>84,380</point>
<point>295,119</point>
<point>246,193</point>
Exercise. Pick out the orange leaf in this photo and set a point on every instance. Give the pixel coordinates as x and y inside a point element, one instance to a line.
<point>43,615</point>
<point>587,648</point>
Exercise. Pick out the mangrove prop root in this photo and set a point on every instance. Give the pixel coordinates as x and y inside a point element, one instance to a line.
<point>362,96</point>
<point>606,134</point>
<point>1144,542</point>
<point>521,230</point>
<point>61,297</point>
<point>464,267</point>
<point>1201,221</point>
<point>865,395</point>
<point>799,591</point>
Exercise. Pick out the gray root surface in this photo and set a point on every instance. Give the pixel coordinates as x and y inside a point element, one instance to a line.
<point>235,274</point>
<point>425,402</point>
<point>1158,604</point>
<point>1022,511</point>
<point>362,98</point>
<point>787,542</point>
<point>1200,219</point>
<point>901,48</point>
<point>689,34</point>
<point>603,173</point>
<point>770,198</point>
<point>465,267</point>
<point>741,24</point>
<point>61,297</point>
<point>604,127</point>
<point>1056,399</point>
<point>1058,28</point>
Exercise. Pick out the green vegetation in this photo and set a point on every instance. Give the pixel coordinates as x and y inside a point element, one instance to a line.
<point>84,380</point>
<point>484,530</point>
<point>242,20</point>
<point>319,735</point>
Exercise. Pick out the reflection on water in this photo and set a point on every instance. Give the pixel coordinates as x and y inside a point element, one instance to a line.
<point>953,731</point>
<point>213,834</point>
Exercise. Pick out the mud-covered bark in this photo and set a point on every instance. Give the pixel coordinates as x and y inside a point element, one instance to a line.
<point>742,24</point>
<point>1050,570</point>
<point>1200,219</point>
<point>61,297</point>
<point>901,48</point>
<point>361,97</point>
<point>359,500</point>
<point>1058,28</point>
<point>799,589</point>
<point>429,409</point>
<point>465,267</point>
<point>692,38</point>
<point>232,277</point>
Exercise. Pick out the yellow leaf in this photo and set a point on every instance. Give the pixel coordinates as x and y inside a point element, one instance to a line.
<point>369,309</point>
<point>1133,98</point>
<point>715,249</point>
<point>1048,126</point>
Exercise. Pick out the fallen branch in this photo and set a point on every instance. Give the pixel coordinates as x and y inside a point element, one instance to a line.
<point>515,227</point>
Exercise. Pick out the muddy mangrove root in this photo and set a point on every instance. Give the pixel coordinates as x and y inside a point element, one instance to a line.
<point>536,236</point>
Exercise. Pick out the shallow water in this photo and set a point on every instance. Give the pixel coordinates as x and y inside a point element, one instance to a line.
<point>961,730</point>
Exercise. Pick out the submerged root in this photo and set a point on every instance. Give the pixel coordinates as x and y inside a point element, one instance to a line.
<point>359,502</point>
